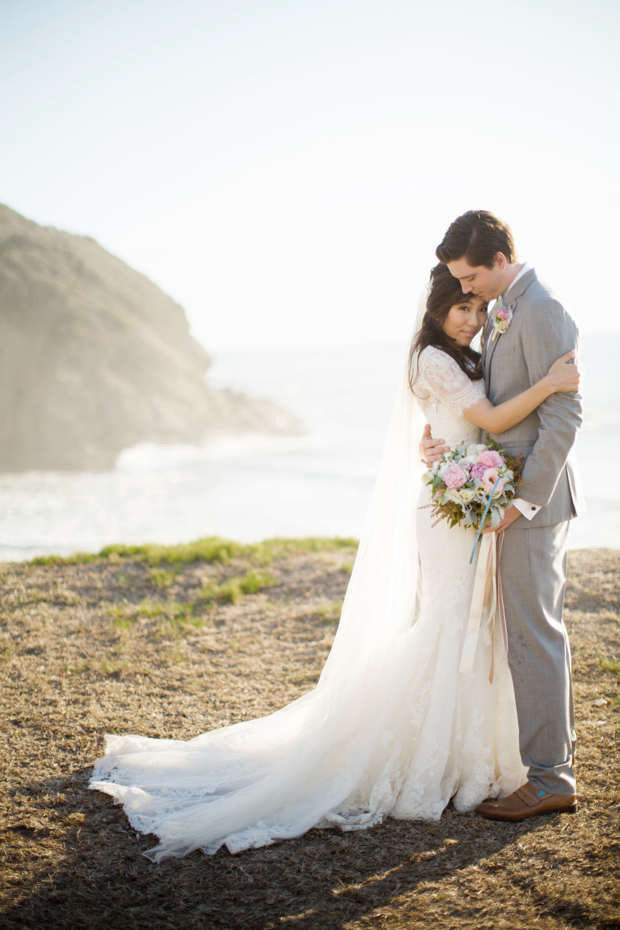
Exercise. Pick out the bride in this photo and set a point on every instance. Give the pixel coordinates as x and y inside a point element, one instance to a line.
<point>393,728</point>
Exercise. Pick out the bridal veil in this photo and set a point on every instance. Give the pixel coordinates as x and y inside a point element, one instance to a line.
<point>325,758</point>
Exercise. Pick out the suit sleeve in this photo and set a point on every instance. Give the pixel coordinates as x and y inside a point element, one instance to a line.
<point>548,333</point>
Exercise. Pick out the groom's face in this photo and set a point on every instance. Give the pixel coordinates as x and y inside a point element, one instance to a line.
<point>487,283</point>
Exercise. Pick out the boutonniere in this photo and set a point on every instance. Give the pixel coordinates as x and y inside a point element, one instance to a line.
<point>502,319</point>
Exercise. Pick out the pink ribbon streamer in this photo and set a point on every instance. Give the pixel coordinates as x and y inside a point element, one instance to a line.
<point>500,598</point>
<point>487,603</point>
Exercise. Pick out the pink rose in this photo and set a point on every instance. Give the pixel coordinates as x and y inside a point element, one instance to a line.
<point>454,477</point>
<point>478,471</point>
<point>491,459</point>
<point>490,477</point>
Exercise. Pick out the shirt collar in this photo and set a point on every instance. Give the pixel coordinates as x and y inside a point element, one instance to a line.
<point>523,271</point>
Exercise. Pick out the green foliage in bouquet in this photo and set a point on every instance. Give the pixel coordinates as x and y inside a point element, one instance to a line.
<point>461,484</point>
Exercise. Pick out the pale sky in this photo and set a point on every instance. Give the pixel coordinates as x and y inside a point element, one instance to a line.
<point>285,168</point>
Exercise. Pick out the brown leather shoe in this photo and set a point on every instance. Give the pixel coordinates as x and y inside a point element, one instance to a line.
<point>524,803</point>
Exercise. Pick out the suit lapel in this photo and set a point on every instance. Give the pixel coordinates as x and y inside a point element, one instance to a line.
<point>491,344</point>
<point>487,343</point>
<point>489,349</point>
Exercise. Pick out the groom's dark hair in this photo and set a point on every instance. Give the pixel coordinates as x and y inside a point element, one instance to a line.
<point>477,236</point>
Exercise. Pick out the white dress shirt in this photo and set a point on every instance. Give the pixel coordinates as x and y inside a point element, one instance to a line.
<point>524,270</point>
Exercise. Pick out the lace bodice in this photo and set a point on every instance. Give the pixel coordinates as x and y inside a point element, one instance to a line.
<point>445,393</point>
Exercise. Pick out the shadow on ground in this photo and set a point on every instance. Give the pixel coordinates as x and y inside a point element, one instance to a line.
<point>325,879</point>
<point>70,672</point>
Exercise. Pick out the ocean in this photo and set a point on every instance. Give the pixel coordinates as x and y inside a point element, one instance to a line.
<point>251,487</point>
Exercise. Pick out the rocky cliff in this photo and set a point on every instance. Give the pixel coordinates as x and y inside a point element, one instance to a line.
<point>94,358</point>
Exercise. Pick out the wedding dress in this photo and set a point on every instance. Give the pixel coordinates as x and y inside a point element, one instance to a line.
<point>393,728</point>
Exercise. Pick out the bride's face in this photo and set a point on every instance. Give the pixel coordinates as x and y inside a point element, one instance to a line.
<point>465,320</point>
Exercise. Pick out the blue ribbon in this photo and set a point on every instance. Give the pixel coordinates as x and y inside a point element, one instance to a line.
<point>484,515</point>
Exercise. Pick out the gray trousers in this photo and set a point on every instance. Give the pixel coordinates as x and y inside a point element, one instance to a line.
<point>533,569</point>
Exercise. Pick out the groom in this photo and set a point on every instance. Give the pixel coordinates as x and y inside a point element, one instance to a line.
<point>478,249</point>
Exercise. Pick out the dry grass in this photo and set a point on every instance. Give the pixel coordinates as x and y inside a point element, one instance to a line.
<point>141,641</point>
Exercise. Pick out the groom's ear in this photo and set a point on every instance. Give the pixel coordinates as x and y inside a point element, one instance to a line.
<point>500,260</point>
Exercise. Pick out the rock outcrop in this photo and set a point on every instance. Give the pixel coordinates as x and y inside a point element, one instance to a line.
<point>94,358</point>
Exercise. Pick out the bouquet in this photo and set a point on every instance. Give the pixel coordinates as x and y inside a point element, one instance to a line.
<point>473,484</point>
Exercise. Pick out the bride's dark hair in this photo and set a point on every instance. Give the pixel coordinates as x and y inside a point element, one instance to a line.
<point>445,293</point>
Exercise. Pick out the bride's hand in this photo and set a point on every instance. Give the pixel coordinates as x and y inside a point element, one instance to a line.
<point>564,375</point>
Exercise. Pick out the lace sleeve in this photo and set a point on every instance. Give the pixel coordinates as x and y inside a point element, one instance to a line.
<point>441,376</point>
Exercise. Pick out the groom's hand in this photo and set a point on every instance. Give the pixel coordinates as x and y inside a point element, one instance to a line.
<point>512,514</point>
<point>431,449</point>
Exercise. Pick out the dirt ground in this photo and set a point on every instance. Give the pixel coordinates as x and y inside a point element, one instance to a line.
<point>171,645</point>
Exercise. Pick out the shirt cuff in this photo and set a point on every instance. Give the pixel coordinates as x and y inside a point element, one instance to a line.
<point>528,510</point>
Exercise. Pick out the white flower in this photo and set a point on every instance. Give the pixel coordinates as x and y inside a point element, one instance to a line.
<point>467,495</point>
<point>501,320</point>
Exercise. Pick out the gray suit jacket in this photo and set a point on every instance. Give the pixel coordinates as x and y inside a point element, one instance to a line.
<point>540,332</point>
